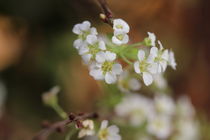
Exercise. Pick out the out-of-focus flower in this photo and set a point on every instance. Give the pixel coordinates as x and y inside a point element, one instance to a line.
<point>120,38</point>
<point>83,30</point>
<point>120,25</point>
<point>108,132</point>
<point>127,84</point>
<point>172,61</point>
<point>185,108</point>
<point>145,68</point>
<point>164,104</point>
<point>87,130</point>
<point>159,81</point>
<point>159,126</point>
<point>135,108</point>
<point>159,56</point>
<point>89,51</point>
<point>187,130</point>
<point>150,40</point>
<point>50,97</point>
<point>106,68</point>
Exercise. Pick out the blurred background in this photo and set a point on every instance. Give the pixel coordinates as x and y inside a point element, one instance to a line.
<point>36,54</point>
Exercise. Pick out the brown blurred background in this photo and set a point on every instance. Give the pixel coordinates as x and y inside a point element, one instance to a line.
<point>36,53</point>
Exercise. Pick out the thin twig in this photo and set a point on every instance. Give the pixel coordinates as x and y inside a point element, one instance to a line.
<point>107,13</point>
<point>60,126</point>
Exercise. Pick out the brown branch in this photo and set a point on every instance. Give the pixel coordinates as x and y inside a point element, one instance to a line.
<point>107,15</point>
<point>60,126</point>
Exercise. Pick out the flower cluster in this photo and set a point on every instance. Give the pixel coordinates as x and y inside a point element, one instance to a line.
<point>104,133</point>
<point>101,56</point>
<point>162,116</point>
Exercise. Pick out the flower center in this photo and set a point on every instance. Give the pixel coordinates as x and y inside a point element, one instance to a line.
<point>84,35</point>
<point>119,26</point>
<point>143,66</point>
<point>159,57</point>
<point>93,49</point>
<point>107,66</point>
<point>103,134</point>
<point>120,37</point>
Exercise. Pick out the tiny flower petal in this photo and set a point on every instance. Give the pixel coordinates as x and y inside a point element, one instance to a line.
<point>102,45</point>
<point>109,56</point>
<point>136,67</point>
<point>85,25</point>
<point>141,55</point>
<point>86,58</point>
<point>97,74</point>
<point>120,25</point>
<point>104,124</point>
<point>110,78</point>
<point>117,69</point>
<point>147,77</point>
<point>100,57</point>
<point>91,39</point>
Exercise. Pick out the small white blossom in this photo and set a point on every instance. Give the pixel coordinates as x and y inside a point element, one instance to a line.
<point>187,130</point>
<point>89,51</point>
<point>135,108</point>
<point>106,68</point>
<point>108,133</point>
<point>150,40</point>
<point>120,38</point>
<point>127,83</point>
<point>145,67</point>
<point>171,60</point>
<point>164,104</point>
<point>185,108</point>
<point>120,25</point>
<point>159,56</point>
<point>87,130</point>
<point>83,30</point>
<point>159,126</point>
<point>160,81</point>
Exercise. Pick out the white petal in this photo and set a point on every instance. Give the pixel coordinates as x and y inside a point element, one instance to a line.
<point>153,68</point>
<point>76,29</point>
<point>83,49</point>
<point>117,69</point>
<point>93,31</point>
<point>154,51</point>
<point>102,45</point>
<point>104,124</point>
<point>137,67</point>
<point>109,56</point>
<point>152,37</point>
<point>172,61</point>
<point>116,41</point>
<point>134,84</point>
<point>163,65</point>
<point>141,55</point>
<point>97,74</point>
<point>160,44</point>
<point>125,39</point>
<point>147,77</point>
<point>165,55</point>
<point>100,57</point>
<point>85,26</point>
<point>86,58</point>
<point>91,39</point>
<point>78,43</point>
<point>110,78</point>
<point>113,129</point>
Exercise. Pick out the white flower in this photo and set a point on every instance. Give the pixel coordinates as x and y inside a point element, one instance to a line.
<point>120,25</point>
<point>164,104</point>
<point>106,68</point>
<point>159,56</point>
<point>159,126</point>
<point>83,30</point>
<point>160,81</point>
<point>87,130</point>
<point>120,38</point>
<point>187,130</point>
<point>145,67</point>
<point>171,60</point>
<point>150,40</point>
<point>185,108</point>
<point>89,51</point>
<point>135,108</point>
<point>108,133</point>
<point>127,83</point>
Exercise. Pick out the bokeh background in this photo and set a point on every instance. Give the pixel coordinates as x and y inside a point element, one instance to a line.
<point>36,54</point>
